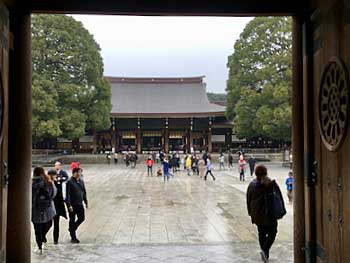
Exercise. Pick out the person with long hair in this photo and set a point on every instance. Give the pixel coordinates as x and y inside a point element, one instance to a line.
<point>43,208</point>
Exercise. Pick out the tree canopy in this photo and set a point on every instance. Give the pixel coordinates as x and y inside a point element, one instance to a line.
<point>70,93</point>
<point>259,82</point>
<point>216,97</point>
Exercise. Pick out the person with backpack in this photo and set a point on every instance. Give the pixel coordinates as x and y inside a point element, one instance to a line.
<point>43,208</point>
<point>76,196</point>
<point>264,214</point>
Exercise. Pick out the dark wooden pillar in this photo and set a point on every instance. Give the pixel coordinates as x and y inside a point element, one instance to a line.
<point>190,140</point>
<point>228,139</point>
<point>138,141</point>
<point>166,141</point>
<point>20,142</point>
<point>210,146</point>
<point>297,144</point>
<point>117,139</point>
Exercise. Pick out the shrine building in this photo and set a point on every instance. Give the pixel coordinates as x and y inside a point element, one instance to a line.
<point>170,114</point>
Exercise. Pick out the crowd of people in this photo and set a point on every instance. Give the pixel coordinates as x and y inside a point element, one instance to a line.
<point>168,165</point>
<point>52,192</point>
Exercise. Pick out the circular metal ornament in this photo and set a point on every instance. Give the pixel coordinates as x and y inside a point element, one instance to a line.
<point>333,104</point>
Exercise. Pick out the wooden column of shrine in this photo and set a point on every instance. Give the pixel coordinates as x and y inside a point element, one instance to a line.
<point>20,141</point>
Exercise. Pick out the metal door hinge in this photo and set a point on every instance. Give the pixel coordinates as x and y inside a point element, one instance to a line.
<point>310,169</point>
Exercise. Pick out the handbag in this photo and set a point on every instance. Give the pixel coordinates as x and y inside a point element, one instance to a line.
<point>274,204</point>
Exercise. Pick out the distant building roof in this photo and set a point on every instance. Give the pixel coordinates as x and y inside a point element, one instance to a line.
<point>161,97</point>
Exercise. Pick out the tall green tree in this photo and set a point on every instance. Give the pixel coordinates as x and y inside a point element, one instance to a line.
<point>259,82</point>
<point>70,93</point>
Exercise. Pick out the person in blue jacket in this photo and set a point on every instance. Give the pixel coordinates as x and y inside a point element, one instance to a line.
<point>289,185</point>
<point>166,168</point>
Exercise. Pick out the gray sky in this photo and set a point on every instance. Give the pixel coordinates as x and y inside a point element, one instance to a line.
<point>135,46</point>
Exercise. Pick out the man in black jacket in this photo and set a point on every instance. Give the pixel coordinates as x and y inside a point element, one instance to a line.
<point>60,181</point>
<point>76,195</point>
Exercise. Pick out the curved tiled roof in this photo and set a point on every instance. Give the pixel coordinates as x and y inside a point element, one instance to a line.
<point>161,96</point>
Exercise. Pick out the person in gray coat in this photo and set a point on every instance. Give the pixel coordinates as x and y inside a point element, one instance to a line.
<point>43,208</point>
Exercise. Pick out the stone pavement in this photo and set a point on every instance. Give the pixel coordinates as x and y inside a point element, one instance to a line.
<point>135,218</point>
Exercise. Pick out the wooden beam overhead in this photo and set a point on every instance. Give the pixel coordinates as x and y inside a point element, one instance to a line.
<point>170,7</point>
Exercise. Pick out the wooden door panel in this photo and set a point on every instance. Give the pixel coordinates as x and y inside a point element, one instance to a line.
<point>331,31</point>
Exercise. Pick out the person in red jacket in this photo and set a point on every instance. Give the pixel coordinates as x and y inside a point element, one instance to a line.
<point>149,164</point>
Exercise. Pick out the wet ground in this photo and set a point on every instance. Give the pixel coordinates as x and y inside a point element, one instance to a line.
<point>136,218</point>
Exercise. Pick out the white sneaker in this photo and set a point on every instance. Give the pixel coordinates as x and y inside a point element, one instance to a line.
<point>38,251</point>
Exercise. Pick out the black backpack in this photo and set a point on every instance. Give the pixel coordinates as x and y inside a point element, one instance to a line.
<point>43,198</point>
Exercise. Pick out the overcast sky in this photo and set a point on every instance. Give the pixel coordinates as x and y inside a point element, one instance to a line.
<point>134,46</point>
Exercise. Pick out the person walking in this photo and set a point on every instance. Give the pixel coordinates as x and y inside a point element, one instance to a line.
<point>251,162</point>
<point>188,164</point>
<point>127,159</point>
<point>289,185</point>
<point>230,161</point>
<point>177,162</point>
<point>149,164</point>
<point>205,157</point>
<point>76,195</point>
<point>222,161</point>
<point>194,161</point>
<point>209,168</point>
<point>166,168</point>
<point>266,224</point>
<point>60,179</point>
<point>201,167</point>
<point>43,208</point>
<point>157,157</point>
<point>133,160</point>
<point>172,163</point>
<point>241,167</point>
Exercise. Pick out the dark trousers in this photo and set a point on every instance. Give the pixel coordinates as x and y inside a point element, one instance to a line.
<point>40,230</point>
<point>206,174</point>
<point>149,170</point>
<point>251,170</point>
<point>56,228</point>
<point>267,235</point>
<point>79,213</point>
<point>241,175</point>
